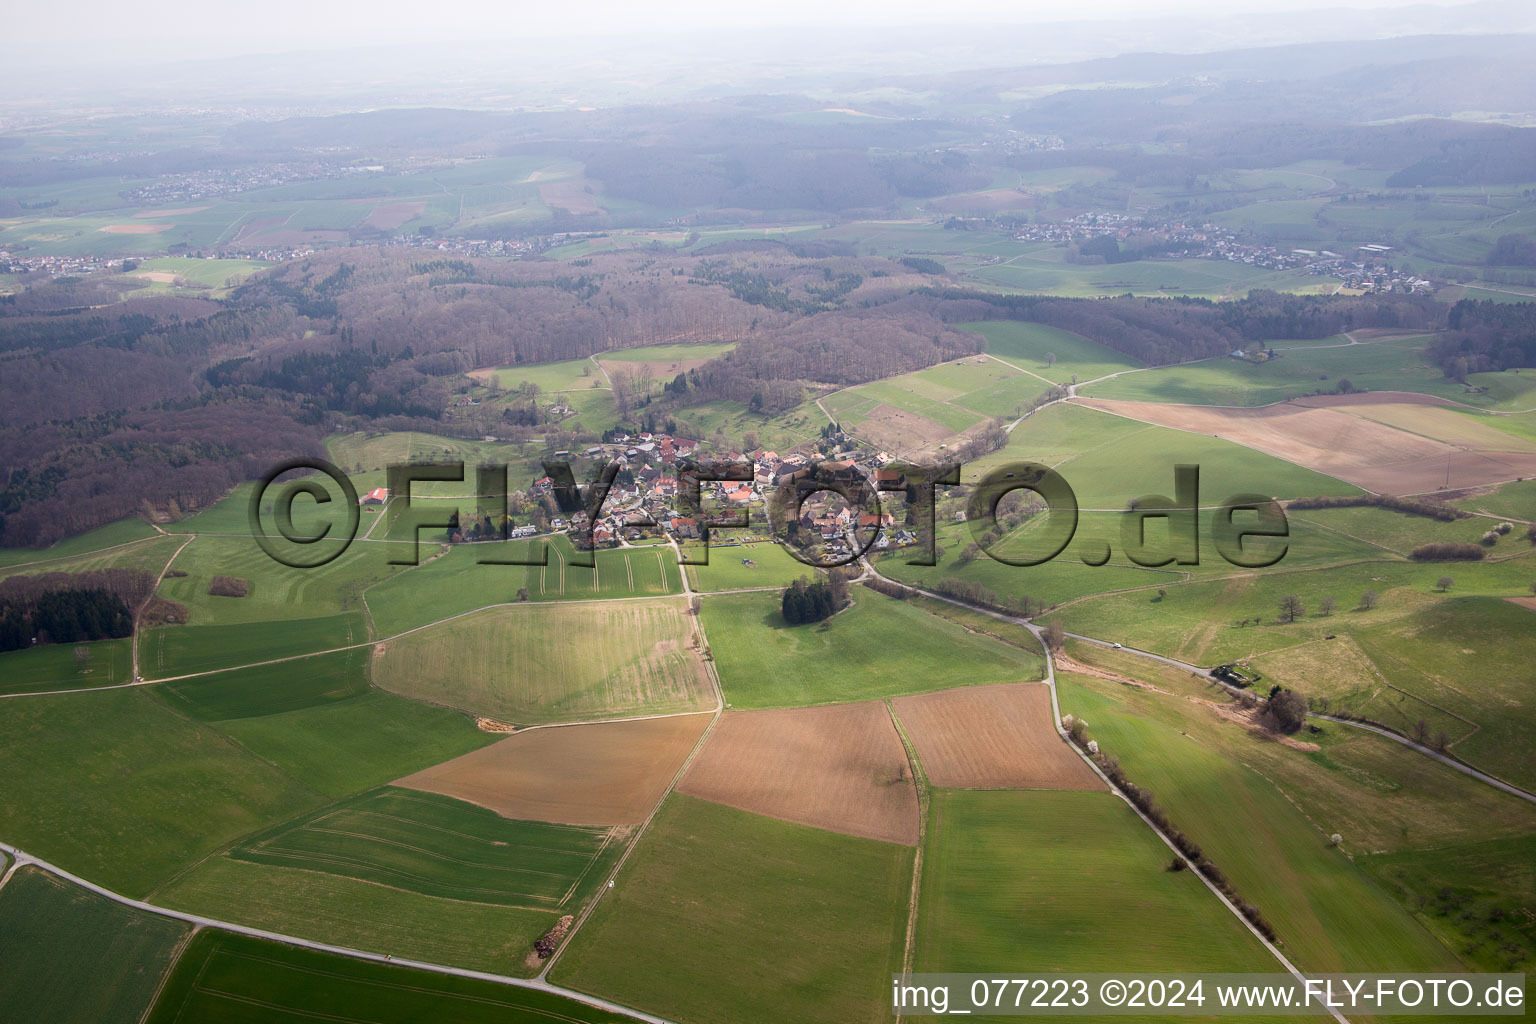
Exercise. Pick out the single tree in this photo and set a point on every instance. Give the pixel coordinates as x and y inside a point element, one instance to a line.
<point>1291,608</point>
<point>1369,599</point>
<point>1420,731</point>
<point>1288,710</point>
<point>1327,604</point>
<point>1055,635</point>
<point>1050,359</point>
<point>1444,583</point>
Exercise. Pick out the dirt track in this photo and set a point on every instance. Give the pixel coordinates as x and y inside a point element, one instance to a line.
<point>841,768</point>
<point>992,737</point>
<point>609,773</point>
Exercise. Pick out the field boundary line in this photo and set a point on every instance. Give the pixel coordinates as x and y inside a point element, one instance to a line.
<point>677,776</point>
<point>138,615</point>
<point>536,984</point>
<point>1050,680</point>
<point>920,781</point>
<point>337,650</point>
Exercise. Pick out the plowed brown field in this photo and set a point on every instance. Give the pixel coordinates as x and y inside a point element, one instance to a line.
<point>992,737</point>
<point>841,767</point>
<point>609,773</point>
<point>1354,448</point>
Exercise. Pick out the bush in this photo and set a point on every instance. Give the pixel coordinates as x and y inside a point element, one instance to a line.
<point>1447,551</point>
<point>228,586</point>
<point>1288,711</point>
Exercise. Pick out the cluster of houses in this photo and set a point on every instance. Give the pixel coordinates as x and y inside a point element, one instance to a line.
<point>646,497</point>
<point>1364,270</point>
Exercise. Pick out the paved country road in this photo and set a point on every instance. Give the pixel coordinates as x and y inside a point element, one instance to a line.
<point>22,858</point>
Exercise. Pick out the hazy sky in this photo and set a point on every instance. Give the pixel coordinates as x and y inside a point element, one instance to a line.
<point>110,31</point>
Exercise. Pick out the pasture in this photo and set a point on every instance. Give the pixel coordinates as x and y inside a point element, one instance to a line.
<point>880,647</point>
<point>70,954</point>
<point>1049,352</point>
<point>66,666</point>
<point>436,846</point>
<point>1047,273</point>
<point>992,737</point>
<point>123,790</point>
<point>359,915</point>
<point>608,773</point>
<point>927,406</point>
<point>170,651</point>
<point>841,768</point>
<point>530,663</point>
<point>1065,881</point>
<point>1330,915</point>
<point>1363,451</point>
<point>1393,363</point>
<point>271,689</point>
<point>826,911</point>
<point>1468,656</point>
<point>124,531</point>
<point>244,980</point>
<point>1213,621</point>
<point>342,747</point>
<point>728,568</point>
<point>454,582</point>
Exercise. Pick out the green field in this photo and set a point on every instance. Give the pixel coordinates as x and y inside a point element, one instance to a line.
<point>1391,364</point>
<point>361,915</point>
<point>1212,621</point>
<point>1065,881</point>
<point>272,689</point>
<point>1048,273</point>
<point>957,395</point>
<point>118,787</point>
<point>794,426</point>
<point>879,647</point>
<point>1471,897</point>
<point>1465,655</point>
<point>785,921</point>
<point>170,651</point>
<point>58,666</point>
<point>772,566</point>
<point>242,980</point>
<point>437,846</point>
<point>539,663</point>
<point>124,531</point>
<point>1330,915</point>
<point>1027,345</point>
<point>318,720</point>
<point>454,583</point>
<point>71,955</point>
<point>345,746</point>
<point>569,375</point>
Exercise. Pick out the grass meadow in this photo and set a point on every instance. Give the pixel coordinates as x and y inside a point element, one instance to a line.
<point>437,846</point>
<point>72,955</point>
<point>787,922</point>
<point>59,666</point>
<point>121,789</point>
<point>1028,345</point>
<point>1065,881</point>
<point>244,980</point>
<point>1330,915</point>
<point>880,647</point>
<point>452,583</point>
<point>546,663</point>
